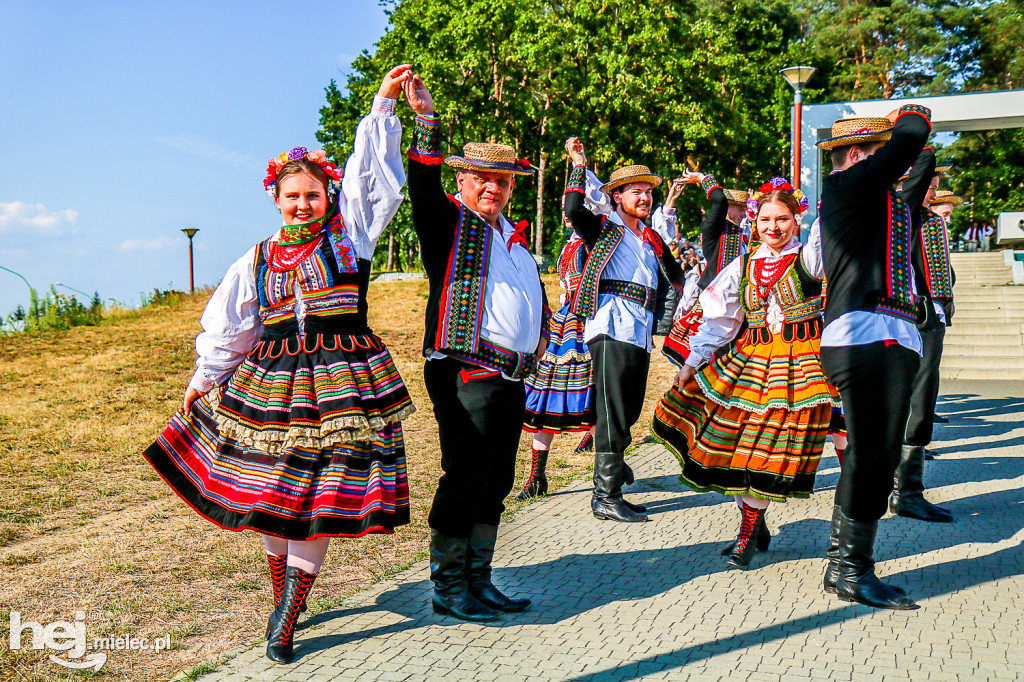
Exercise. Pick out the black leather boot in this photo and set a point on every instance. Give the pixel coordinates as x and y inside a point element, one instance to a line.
<point>907,498</point>
<point>451,595</point>
<point>537,483</point>
<point>478,571</point>
<point>856,580</point>
<point>607,502</point>
<point>281,628</point>
<point>764,539</point>
<point>628,479</point>
<point>745,546</point>
<point>832,553</point>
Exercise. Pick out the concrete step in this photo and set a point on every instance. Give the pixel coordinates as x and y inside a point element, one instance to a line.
<point>982,316</point>
<point>966,328</point>
<point>976,350</point>
<point>1010,362</point>
<point>981,374</point>
<point>980,340</point>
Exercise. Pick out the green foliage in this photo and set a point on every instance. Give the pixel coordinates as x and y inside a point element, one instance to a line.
<point>990,171</point>
<point>54,311</point>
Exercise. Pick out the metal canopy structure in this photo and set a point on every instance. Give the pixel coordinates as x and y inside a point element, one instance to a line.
<point>950,113</point>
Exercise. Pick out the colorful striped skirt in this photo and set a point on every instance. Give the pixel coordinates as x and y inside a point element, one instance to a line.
<point>304,441</point>
<point>677,343</point>
<point>560,391</point>
<point>751,423</point>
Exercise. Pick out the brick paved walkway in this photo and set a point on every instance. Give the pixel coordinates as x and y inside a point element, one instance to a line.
<point>655,601</point>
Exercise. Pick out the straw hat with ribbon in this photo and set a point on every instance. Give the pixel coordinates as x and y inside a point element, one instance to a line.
<point>627,174</point>
<point>486,156</point>
<point>944,196</point>
<point>939,170</point>
<point>737,197</point>
<point>847,131</point>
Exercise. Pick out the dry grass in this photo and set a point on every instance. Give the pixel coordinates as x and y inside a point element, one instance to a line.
<point>86,524</point>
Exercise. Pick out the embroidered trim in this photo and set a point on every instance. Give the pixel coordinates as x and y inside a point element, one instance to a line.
<point>584,303</point>
<point>708,184</point>
<point>382,105</point>
<point>937,269</point>
<point>897,276</point>
<point>631,291</point>
<point>513,364</point>
<point>462,301</point>
<point>915,109</point>
<point>577,181</point>
<point>730,245</point>
<point>426,140</point>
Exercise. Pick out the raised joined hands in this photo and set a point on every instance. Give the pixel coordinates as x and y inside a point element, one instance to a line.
<point>391,86</point>
<point>575,149</point>
<point>417,95</point>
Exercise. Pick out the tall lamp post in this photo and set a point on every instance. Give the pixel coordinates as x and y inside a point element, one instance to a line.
<point>797,77</point>
<point>190,232</point>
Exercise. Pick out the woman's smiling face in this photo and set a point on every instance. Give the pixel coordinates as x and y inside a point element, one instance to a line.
<point>301,198</point>
<point>776,225</point>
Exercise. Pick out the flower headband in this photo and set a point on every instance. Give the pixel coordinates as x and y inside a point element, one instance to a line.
<point>319,157</point>
<point>780,184</point>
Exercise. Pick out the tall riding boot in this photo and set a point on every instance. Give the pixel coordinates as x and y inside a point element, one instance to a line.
<point>448,571</point>
<point>907,499</point>
<point>297,584</point>
<point>832,552</point>
<point>478,571</point>
<point>278,566</point>
<point>745,546</point>
<point>537,483</point>
<point>628,479</point>
<point>856,579</point>
<point>607,502</point>
<point>586,444</point>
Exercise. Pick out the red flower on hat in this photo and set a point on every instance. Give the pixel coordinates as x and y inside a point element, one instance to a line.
<point>523,163</point>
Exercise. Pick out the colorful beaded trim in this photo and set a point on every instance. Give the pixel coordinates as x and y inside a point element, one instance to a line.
<point>897,276</point>
<point>937,269</point>
<point>577,180</point>
<point>426,140</point>
<point>631,291</point>
<point>708,184</point>
<point>465,282</point>
<point>584,304</point>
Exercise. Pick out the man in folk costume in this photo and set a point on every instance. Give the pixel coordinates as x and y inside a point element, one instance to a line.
<point>486,322</point>
<point>870,348</point>
<point>943,204</point>
<point>920,185</point>
<point>618,297</point>
<point>722,241</point>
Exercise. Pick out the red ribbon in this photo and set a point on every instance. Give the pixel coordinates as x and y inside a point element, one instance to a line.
<point>519,236</point>
<point>651,237</point>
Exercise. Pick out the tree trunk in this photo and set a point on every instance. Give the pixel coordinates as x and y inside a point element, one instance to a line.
<point>391,251</point>
<point>538,228</point>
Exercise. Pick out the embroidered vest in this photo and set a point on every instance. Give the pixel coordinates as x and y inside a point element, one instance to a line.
<point>898,301</point>
<point>584,303</point>
<point>937,270</point>
<point>729,246</point>
<point>461,306</point>
<point>332,281</point>
<point>798,294</point>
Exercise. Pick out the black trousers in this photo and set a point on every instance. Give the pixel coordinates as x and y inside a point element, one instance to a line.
<point>874,381</point>
<point>479,422</point>
<point>925,389</point>
<point>620,384</point>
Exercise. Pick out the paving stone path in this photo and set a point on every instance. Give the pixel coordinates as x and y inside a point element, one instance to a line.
<point>655,601</point>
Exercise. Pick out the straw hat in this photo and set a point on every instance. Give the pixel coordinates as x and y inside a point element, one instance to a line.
<point>627,174</point>
<point>485,156</point>
<point>737,196</point>
<point>939,170</point>
<point>944,196</point>
<point>847,131</point>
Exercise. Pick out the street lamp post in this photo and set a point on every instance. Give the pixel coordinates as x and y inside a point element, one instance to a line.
<point>797,77</point>
<point>190,232</point>
<point>88,297</point>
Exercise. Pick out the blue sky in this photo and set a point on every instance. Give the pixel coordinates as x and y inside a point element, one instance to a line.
<point>123,122</point>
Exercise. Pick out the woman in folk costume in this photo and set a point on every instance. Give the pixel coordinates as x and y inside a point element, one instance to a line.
<point>560,390</point>
<point>753,422</point>
<point>722,238</point>
<point>291,425</point>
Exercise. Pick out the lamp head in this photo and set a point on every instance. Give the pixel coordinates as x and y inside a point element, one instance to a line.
<point>190,231</point>
<point>797,76</point>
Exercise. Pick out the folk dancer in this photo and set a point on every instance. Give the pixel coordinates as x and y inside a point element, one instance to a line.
<point>870,348</point>
<point>291,424</point>
<point>920,185</point>
<point>618,297</point>
<point>722,241</point>
<point>486,325</point>
<point>752,423</point>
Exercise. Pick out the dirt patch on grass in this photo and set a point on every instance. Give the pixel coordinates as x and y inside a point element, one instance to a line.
<point>87,525</point>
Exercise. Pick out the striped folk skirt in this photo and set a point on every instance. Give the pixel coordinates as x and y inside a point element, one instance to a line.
<point>560,391</point>
<point>304,441</point>
<point>753,422</point>
<point>677,343</point>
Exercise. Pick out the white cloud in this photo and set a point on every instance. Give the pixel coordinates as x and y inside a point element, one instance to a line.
<point>148,245</point>
<point>36,216</point>
<point>196,145</point>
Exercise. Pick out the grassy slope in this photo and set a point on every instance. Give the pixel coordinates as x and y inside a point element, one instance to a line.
<point>85,523</point>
